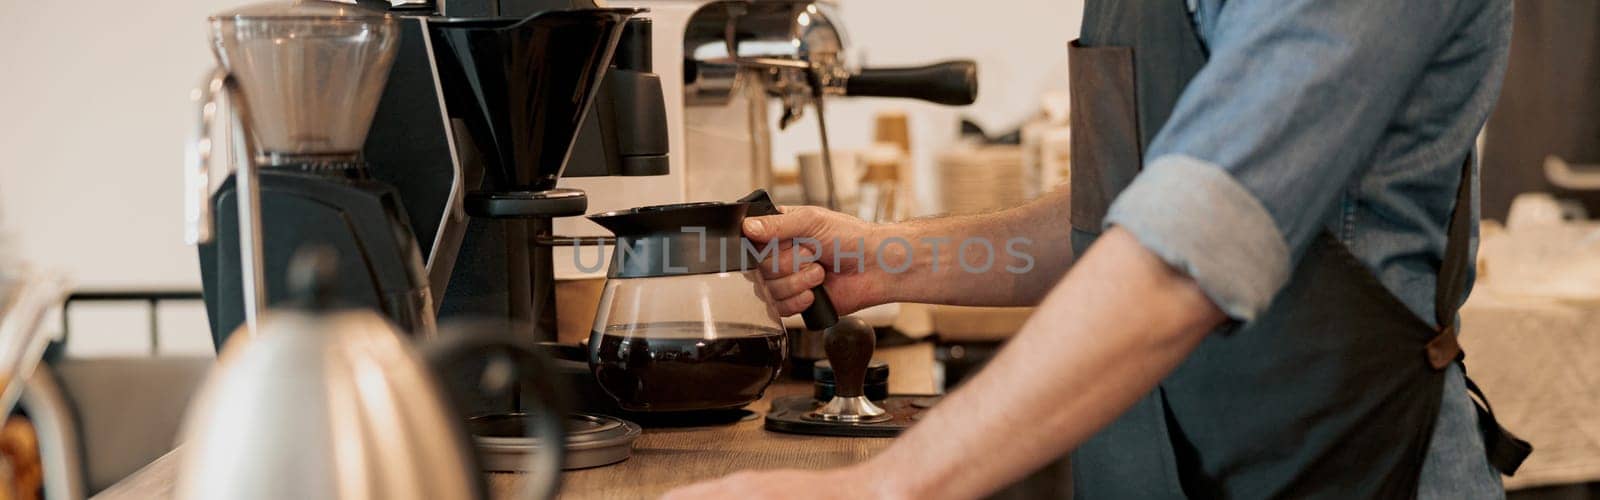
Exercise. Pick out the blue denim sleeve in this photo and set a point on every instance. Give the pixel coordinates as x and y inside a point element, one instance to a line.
<point>1292,102</point>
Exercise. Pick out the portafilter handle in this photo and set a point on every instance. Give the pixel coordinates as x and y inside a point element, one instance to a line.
<point>953,83</point>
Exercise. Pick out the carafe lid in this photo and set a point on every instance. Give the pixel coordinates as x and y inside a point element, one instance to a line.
<point>686,238</point>
<point>677,239</point>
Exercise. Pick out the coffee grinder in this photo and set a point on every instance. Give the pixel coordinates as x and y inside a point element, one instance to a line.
<point>301,80</point>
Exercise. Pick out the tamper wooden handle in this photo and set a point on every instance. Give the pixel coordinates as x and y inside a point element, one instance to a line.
<point>849,344</point>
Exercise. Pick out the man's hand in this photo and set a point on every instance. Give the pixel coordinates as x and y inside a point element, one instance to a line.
<point>919,261</point>
<point>852,285</point>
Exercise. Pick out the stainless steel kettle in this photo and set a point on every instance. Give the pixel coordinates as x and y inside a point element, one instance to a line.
<point>329,403</point>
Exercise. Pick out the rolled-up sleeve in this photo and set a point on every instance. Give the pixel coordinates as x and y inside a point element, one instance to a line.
<point>1287,110</point>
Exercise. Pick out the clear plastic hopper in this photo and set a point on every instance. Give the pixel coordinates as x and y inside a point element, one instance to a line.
<point>311,73</point>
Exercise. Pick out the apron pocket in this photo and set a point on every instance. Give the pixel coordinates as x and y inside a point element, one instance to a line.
<point>1105,130</point>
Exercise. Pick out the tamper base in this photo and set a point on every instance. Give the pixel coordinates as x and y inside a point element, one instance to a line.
<point>857,410</point>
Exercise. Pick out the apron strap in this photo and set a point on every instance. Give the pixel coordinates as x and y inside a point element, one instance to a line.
<point>1505,450</point>
<point>1452,281</point>
<point>1445,347</point>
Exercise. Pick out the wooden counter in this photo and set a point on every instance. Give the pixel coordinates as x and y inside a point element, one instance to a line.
<point>666,458</point>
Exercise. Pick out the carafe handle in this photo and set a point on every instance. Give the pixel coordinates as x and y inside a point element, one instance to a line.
<point>544,400</point>
<point>820,315</point>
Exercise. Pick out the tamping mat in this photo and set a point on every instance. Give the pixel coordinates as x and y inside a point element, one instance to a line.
<point>788,414</point>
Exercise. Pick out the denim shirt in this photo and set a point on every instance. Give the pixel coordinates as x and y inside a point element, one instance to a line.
<point>1351,116</point>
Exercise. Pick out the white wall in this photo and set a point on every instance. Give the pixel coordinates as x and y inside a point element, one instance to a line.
<point>94,111</point>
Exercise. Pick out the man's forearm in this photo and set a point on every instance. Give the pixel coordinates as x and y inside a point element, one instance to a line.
<point>1119,323</point>
<point>1029,256</point>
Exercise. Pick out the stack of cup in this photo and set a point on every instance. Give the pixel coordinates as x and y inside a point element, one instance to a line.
<point>844,194</point>
<point>976,178</point>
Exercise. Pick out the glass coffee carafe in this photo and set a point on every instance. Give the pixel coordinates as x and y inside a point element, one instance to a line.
<point>685,321</point>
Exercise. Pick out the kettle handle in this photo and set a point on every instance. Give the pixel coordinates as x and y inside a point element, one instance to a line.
<point>545,401</point>
<point>820,315</point>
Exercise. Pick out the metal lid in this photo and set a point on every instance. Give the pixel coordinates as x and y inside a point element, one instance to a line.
<point>301,9</point>
<point>592,441</point>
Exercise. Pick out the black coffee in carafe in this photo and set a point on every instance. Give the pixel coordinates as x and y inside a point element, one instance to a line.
<point>675,366</point>
<point>682,326</point>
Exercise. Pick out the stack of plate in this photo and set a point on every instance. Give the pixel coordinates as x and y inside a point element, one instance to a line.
<point>974,179</point>
<point>981,178</point>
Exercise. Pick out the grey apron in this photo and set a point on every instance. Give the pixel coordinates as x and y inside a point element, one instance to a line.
<point>1331,393</point>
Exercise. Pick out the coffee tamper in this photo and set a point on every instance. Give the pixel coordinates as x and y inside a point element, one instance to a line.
<point>849,344</point>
